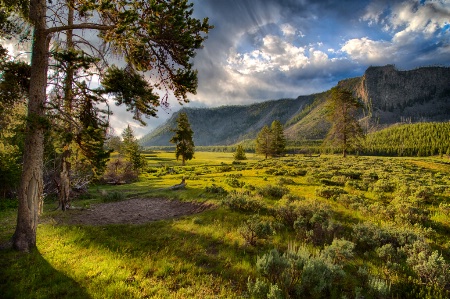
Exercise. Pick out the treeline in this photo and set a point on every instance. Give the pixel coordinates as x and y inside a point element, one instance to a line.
<point>419,139</point>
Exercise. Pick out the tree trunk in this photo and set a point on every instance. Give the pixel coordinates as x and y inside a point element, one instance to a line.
<point>31,185</point>
<point>64,175</point>
<point>64,184</point>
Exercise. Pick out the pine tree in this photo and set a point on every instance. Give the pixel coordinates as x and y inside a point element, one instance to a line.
<point>183,139</point>
<point>131,149</point>
<point>264,142</point>
<point>345,131</point>
<point>278,142</point>
<point>240,153</point>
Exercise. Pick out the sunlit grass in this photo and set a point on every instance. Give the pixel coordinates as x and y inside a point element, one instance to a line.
<point>204,255</point>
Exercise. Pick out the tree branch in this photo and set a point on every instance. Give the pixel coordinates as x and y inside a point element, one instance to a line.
<point>80,26</point>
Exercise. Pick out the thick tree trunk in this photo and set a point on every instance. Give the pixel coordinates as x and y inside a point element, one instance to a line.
<point>31,186</point>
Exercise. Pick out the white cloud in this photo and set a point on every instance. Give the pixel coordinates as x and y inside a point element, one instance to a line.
<point>409,17</point>
<point>288,29</point>
<point>369,51</point>
<point>275,54</point>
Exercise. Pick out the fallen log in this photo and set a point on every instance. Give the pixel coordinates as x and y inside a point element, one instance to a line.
<point>181,185</point>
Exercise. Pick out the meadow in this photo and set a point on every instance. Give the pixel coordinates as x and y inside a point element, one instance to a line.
<point>289,227</point>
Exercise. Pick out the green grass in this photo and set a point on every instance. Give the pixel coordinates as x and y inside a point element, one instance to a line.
<point>204,255</point>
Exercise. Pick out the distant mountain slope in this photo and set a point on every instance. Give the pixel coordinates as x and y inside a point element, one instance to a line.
<point>228,124</point>
<point>389,96</point>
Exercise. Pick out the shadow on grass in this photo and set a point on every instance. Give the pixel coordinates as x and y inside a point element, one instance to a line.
<point>29,275</point>
<point>175,256</point>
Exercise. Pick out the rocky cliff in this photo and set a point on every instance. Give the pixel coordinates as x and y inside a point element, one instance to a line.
<point>391,95</point>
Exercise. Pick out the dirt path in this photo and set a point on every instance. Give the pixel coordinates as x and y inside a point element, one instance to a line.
<point>133,211</point>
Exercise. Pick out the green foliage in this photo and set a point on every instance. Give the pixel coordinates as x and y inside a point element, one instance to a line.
<point>214,189</point>
<point>255,229</point>
<point>183,139</point>
<point>113,196</point>
<point>353,245</point>
<point>330,192</point>
<point>130,88</point>
<point>239,201</point>
<point>240,153</point>
<point>271,141</point>
<point>419,139</point>
<point>131,149</point>
<point>278,142</point>
<point>272,191</point>
<point>294,274</point>
<point>345,132</point>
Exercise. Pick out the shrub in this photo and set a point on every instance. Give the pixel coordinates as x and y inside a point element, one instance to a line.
<point>424,194</point>
<point>330,192</point>
<point>255,229</point>
<point>216,190</point>
<point>274,192</point>
<point>285,181</point>
<point>339,251</point>
<point>384,185</point>
<point>286,214</point>
<point>243,202</point>
<point>291,198</point>
<point>294,274</point>
<point>235,183</point>
<point>297,172</point>
<point>430,267</point>
<point>314,223</point>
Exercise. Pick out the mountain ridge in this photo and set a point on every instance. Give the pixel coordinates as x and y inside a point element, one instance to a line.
<point>388,95</point>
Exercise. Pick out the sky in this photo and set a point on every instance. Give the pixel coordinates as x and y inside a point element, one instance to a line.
<point>270,49</point>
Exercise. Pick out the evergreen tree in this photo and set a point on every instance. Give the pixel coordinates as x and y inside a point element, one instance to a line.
<point>14,84</point>
<point>264,142</point>
<point>137,31</point>
<point>131,149</point>
<point>240,153</point>
<point>278,142</point>
<point>183,139</point>
<point>345,132</point>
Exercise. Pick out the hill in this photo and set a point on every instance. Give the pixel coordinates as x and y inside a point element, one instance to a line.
<point>388,95</point>
<point>228,124</point>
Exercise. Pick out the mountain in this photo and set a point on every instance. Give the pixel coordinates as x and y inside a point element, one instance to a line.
<point>228,124</point>
<point>388,95</point>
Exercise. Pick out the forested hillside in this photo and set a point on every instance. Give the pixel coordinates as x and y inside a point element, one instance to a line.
<point>229,124</point>
<point>420,139</point>
<point>388,96</point>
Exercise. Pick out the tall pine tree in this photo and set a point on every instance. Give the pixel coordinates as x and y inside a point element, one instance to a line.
<point>183,139</point>
<point>278,143</point>
<point>345,133</point>
<point>264,142</point>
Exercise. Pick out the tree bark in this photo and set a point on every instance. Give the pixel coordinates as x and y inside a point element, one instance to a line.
<point>31,186</point>
<point>64,175</point>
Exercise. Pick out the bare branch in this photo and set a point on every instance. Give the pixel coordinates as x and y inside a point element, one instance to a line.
<point>80,26</point>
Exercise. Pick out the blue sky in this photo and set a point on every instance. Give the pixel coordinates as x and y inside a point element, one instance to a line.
<point>270,49</point>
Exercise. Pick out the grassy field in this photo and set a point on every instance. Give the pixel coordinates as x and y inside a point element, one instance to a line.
<point>292,227</point>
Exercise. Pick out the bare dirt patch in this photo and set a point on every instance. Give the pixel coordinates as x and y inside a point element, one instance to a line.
<point>132,211</point>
